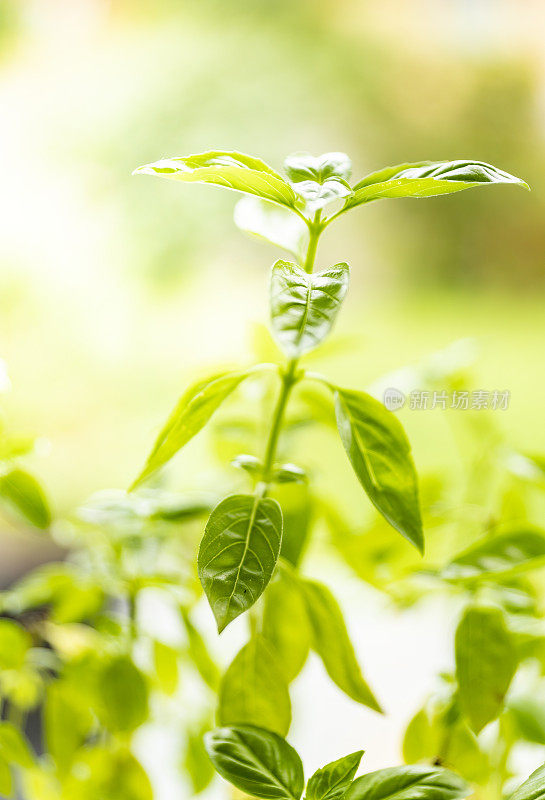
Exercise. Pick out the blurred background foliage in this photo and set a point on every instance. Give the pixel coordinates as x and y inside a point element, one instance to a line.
<point>115,290</point>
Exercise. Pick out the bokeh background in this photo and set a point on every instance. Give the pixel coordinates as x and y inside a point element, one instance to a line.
<point>114,290</point>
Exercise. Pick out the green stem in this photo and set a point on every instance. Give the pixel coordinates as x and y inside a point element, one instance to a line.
<point>315,229</point>
<point>288,380</point>
<point>289,375</point>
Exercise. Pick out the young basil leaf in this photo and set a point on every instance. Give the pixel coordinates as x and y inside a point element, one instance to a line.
<point>427,179</point>
<point>191,414</point>
<point>256,761</point>
<point>380,454</point>
<point>254,690</point>
<point>407,783</point>
<point>304,307</point>
<point>286,625</point>
<point>319,180</point>
<point>331,642</point>
<point>228,169</point>
<point>248,463</point>
<point>238,553</point>
<point>533,787</point>
<point>23,493</point>
<point>510,552</point>
<point>331,782</point>
<point>289,473</point>
<point>277,225</point>
<point>485,664</point>
<point>305,167</point>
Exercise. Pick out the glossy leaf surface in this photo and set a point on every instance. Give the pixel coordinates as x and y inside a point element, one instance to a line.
<point>257,762</point>
<point>485,664</point>
<point>331,782</point>
<point>331,641</point>
<point>254,690</point>
<point>427,179</point>
<point>238,554</point>
<point>380,454</point>
<point>304,306</point>
<point>321,179</point>
<point>228,169</point>
<point>408,783</point>
<point>191,414</point>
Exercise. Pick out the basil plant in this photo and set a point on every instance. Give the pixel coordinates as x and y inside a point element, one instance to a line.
<point>80,671</point>
<point>250,555</point>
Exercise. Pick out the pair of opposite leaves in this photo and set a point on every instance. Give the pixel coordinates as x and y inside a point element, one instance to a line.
<point>242,540</point>
<point>262,764</point>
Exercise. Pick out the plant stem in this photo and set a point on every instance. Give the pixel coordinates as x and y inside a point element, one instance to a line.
<point>288,380</point>
<point>289,375</point>
<point>315,229</point>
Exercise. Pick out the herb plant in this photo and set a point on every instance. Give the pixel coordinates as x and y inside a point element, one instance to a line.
<point>74,651</point>
<point>244,536</point>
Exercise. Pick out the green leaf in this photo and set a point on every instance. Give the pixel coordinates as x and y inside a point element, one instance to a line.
<point>427,179</point>
<point>305,167</point>
<point>14,644</point>
<point>331,642</point>
<point>510,552</point>
<point>228,169</point>
<point>304,306</point>
<point>238,553</point>
<point>277,225</point>
<point>254,690</point>
<point>199,654</point>
<point>485,664</point>
<point>380,454</point>
<point>408,783</point>
<point>257,762</point>
<point>289,473</point>
<point>124,695</point>
<point>165,660</point>
<point>23,493</point>
<point>331,782</point>
<point>319,180</point>
<point>286,625</point>
<point>67,722</point>
<point>438,736</point>
<point>14,747</point>
<point>193,411</point>
<point>249,463</point>
<point>533,788</point>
